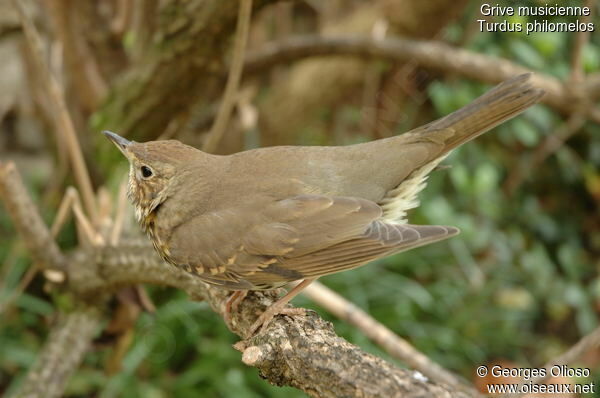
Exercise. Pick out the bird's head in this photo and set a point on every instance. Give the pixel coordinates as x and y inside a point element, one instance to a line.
<point>154,170</point>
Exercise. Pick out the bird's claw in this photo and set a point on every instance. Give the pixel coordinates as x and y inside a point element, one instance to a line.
<point>264,320</point>
<point>232,304</point>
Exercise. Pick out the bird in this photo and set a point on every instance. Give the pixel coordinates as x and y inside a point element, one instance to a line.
<point>263,218</point>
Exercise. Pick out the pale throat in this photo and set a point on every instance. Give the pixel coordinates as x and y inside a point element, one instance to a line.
<point>141,195</point>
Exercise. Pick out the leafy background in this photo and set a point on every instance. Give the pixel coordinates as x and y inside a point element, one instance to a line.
<point>519,285</point>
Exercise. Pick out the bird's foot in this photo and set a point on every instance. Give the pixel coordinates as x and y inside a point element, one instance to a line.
<point>267,316</point>
<point>279,307</point>
<point>232,304</point>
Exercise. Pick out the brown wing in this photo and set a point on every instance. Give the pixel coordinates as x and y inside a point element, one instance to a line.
<point>379,240</point>
<point>231,247</point>
<point>292,239</point>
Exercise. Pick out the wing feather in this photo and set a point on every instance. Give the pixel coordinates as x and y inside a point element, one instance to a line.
<point>249,240</point>
<point>353,253</point>
<point>300,237</point>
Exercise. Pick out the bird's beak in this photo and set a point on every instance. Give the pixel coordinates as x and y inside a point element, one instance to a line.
<point>119,141</point>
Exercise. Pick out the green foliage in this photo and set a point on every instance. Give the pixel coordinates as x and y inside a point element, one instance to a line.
<point>181,350</point>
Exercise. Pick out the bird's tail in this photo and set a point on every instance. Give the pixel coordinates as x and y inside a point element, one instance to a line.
<point>503,102</point>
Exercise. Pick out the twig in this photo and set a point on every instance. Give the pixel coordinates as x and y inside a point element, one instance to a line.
<point>26,218</point>
<point>72,203</point>
<point>80,63</point>
<point>123,16</point>
<point>581,39</point>
<point>119,220</point>
<point>64,211</point>
<point>233,81</point>
<point>549,146</point>
<point>372,84</point>
<point>142,26</point>
<point>59,221</point>
<point>427,53</point>
<point>554,141</point>
<point>62,120</point>
<point>61,355</point>
<point>575,121</point>
<point>23,283</point>
<point>390,342</point>
<point>7,267</point>
<point>586,344</point>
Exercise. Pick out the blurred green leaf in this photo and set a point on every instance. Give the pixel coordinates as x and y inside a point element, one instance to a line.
<point>34,305</point>
<point>526,133</point>
<point>526,54</point>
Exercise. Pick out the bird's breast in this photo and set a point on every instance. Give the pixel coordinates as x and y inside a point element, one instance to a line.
<point>149,225</point>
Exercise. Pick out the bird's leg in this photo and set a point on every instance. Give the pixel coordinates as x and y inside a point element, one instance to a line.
<point>232,304</point>
<point>279,307</point>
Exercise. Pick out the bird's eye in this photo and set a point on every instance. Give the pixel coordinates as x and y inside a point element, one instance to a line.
<point>146,172</point>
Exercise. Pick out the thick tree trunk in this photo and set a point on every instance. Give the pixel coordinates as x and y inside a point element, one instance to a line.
<point>183,67</point>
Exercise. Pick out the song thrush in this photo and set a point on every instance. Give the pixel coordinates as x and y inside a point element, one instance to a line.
<point>262,218</point>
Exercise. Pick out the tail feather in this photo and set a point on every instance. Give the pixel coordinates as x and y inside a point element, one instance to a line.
<point>501,103</point>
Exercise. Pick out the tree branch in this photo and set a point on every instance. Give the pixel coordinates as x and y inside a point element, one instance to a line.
<point>62,353</point>
<point>233,80</point>
<point>586,344</point>
<point>431,54</point>
<point>29,224</point>
<point>90,85</point>
<point>182,67</point>
<point>384,337</point>
<point>552,143</point>
<point>581,39</point>
<point>303,351</point>
<point>63,125</point>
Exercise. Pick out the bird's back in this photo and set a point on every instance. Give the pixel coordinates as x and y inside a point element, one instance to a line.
<point>377,170</point>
